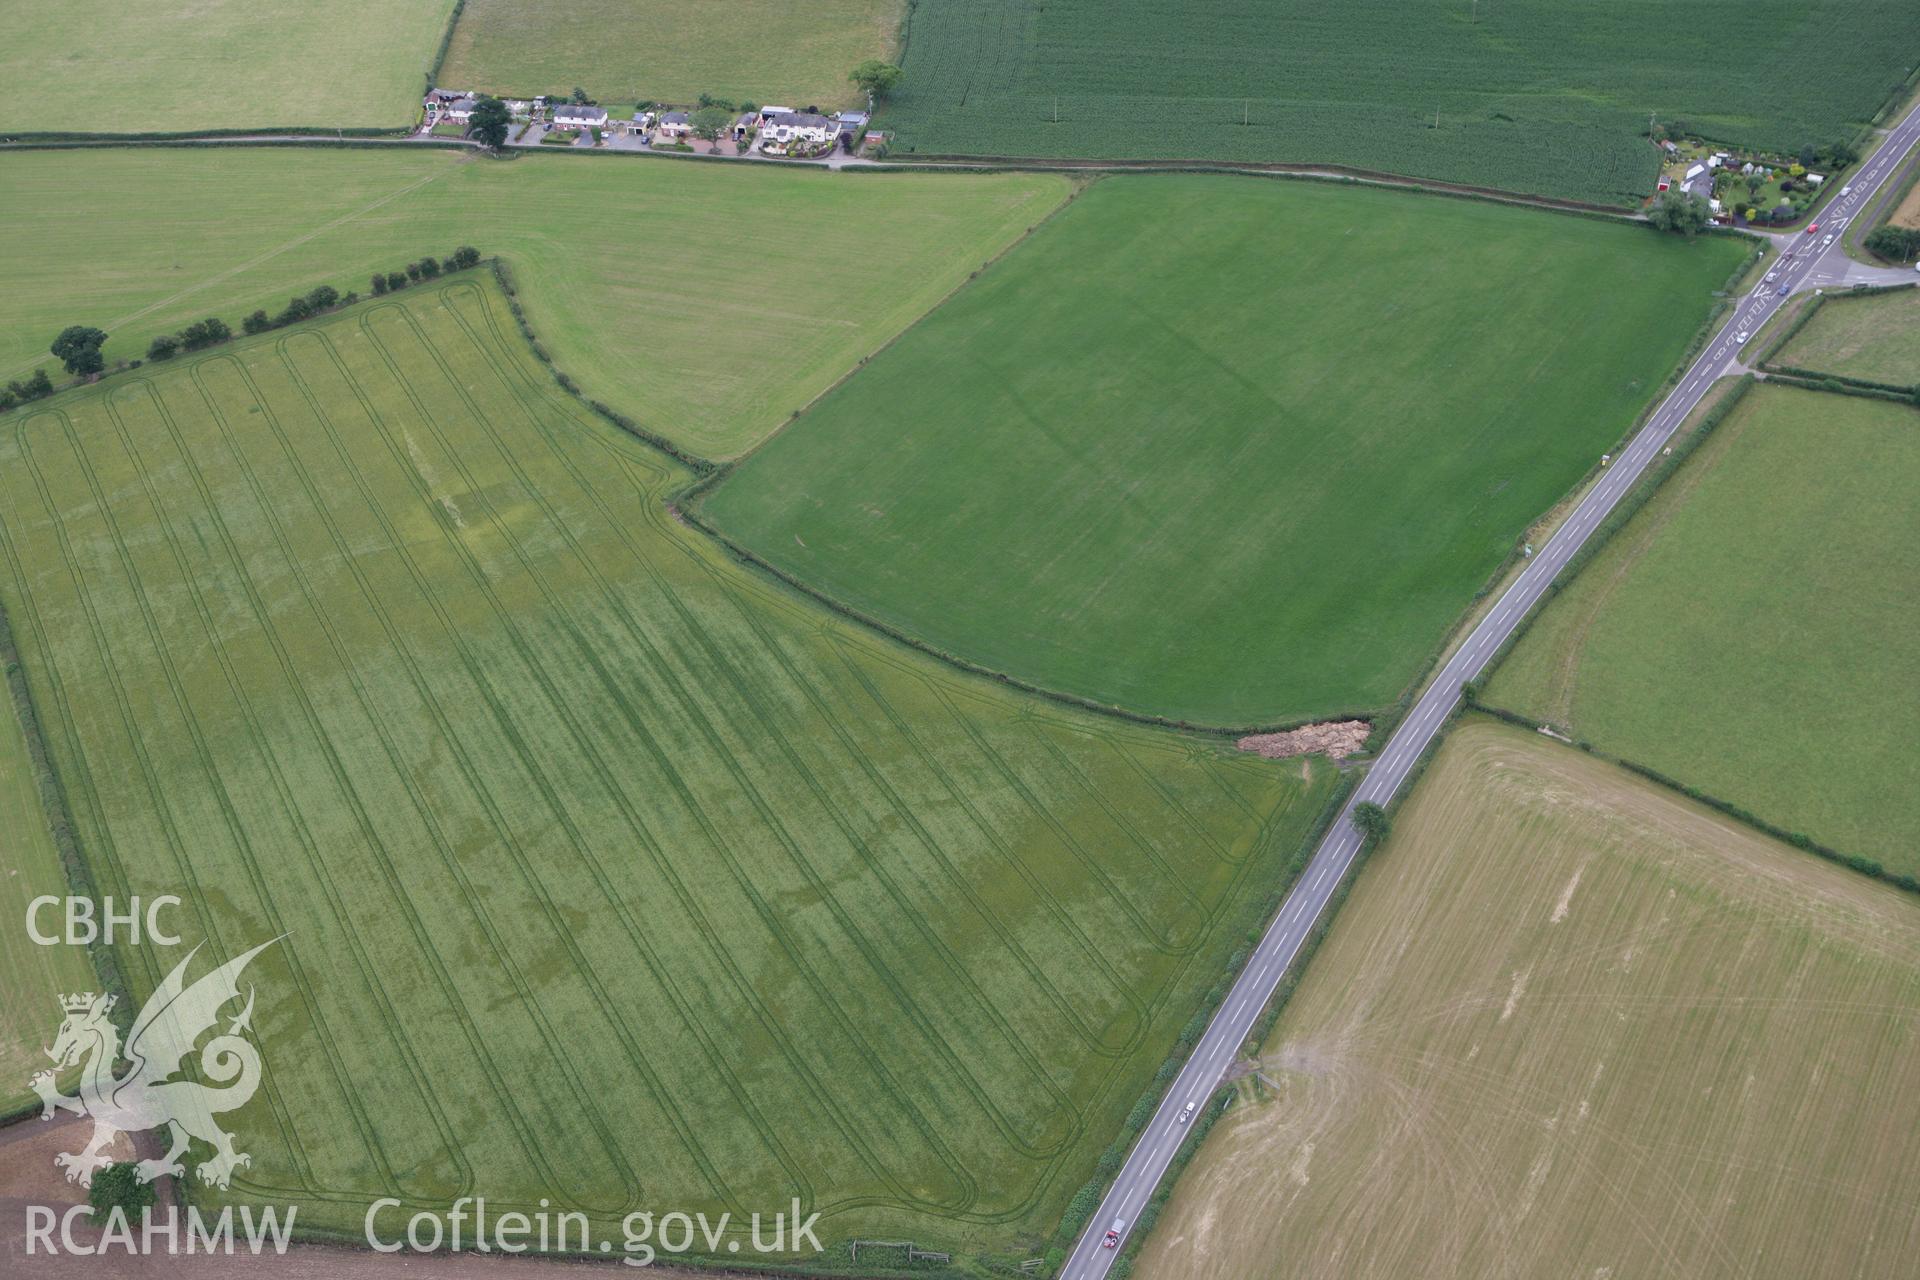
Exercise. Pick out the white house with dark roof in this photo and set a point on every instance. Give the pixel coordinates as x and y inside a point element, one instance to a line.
<point>785,128</point>
<point>675,125</point>
<point>459,109</point>
<point>572,116</point>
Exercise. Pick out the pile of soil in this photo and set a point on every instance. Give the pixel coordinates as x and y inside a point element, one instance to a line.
<point>1335,739</point>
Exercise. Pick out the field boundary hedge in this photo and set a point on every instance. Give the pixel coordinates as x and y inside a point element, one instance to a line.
<point>703,466</point>
<point>683,508</point>
<point>1792,329</point>
<point>1338,174</point>
<point>446,43</point>
<point>1832,384</point>
<point>1798,839</point>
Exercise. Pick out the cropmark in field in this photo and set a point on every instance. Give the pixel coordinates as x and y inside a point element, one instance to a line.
<point>1753,630</point>
<point>1571,1024</point>
<point>1235,451</point>
<point>607,873</point>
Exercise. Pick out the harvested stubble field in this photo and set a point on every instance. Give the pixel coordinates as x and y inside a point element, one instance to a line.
<point>609,872</point>
<point>654,283</point>
<point>623,52</point>
<point>1229,450</point>
<point>158,66</point>
<point>1876,337</point>
<point>1549,97</point>
<point>1753,631</point>
<point>1571,1024</point>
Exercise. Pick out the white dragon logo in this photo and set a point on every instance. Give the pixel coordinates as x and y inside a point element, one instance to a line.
<point>144,1098</point>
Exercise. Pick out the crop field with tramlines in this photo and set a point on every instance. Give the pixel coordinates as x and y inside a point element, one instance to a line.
<point>604,871</point>
<point>1753,630</point>
<point>1571,1024</point>
<point>1250,469</point>
<point>1551,97</point>
<point>145,66</point>
<point>31,975</point>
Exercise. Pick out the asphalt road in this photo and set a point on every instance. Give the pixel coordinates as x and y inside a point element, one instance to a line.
<point>1814,259</point>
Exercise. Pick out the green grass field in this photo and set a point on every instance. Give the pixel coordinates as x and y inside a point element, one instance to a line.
<point>1542,96</point>
<point>627,51</point>
<point>1569,1024</point>
<point>1230,450</point>
<point>155,66</point>
<point>706,301</point>
<point>611,873</point>
<point>1753,631</point>
<point>32,977</point>
<point>1876,337</point>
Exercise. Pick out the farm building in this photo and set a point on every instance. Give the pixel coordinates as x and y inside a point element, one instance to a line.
<point>576,117</point>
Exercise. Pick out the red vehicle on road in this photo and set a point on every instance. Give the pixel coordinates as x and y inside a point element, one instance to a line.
<point>1812,227</point>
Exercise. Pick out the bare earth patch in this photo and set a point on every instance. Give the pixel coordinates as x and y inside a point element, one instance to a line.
<point>1334,739</point>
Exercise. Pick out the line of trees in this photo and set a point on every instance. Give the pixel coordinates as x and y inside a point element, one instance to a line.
<point>301,306</point>
<point>18,392</point>
<point>79,346</point>
<point>427,268</point>
<point>210,332</point>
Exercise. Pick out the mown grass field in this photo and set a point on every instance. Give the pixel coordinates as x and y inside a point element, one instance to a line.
<point>1571,1024</point>
<point>146,66</point>
<point>611,873</point>
<point>706,301</point>
<point>1541,96</point>
<point>1876,337</point>
<point>1230,450</point>
<point>1753,631</point>
<point>32,977</point>
<point>623,51</point>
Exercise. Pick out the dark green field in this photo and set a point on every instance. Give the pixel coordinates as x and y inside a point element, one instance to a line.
<point>1544,96</point>
<point>1754,631</point>
<point>1229,450</point>
<point>609,873</point>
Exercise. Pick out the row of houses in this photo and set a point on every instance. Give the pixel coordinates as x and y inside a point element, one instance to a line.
<point>780,128</point>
